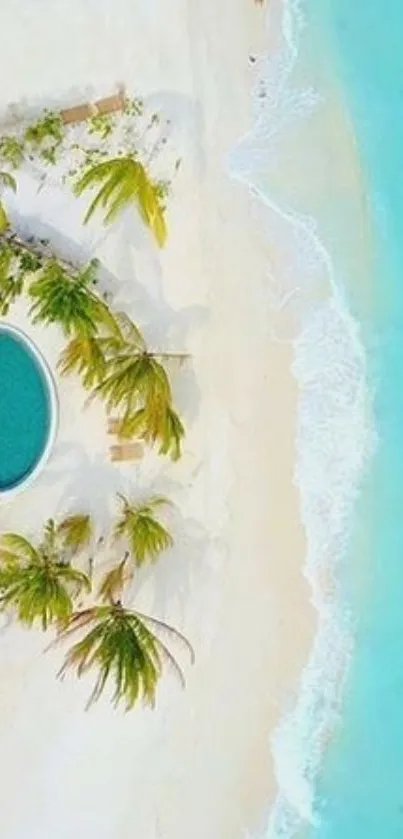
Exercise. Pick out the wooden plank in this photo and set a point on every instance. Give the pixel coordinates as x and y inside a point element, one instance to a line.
<point>107,105</point>
<point>122,452</point>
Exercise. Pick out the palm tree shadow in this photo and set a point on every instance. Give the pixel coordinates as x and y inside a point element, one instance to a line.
<point>166,328</point>
<point>79,253</point>
<point>179,570</point>
<point>183,122</point>
<point>90,483</point>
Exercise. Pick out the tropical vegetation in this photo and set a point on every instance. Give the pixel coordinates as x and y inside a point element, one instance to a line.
<point>42,581</point>
<point>105,348</point>
<point>122,646</point>
<point>139,527</point>
<point>6,181</point>
<point>39,581</point>
<point>123,181</point>
<point>112,153</point>
<point>69,300</point>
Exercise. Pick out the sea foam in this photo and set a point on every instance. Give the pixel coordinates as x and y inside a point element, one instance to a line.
<point>334,425</point>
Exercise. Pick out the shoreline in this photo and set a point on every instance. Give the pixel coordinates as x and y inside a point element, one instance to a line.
<point>329,359</point>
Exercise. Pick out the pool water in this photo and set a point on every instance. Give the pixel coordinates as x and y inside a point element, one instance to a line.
<point>25,410</point>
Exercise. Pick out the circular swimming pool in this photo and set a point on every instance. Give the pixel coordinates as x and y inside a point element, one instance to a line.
<point>28,410</point>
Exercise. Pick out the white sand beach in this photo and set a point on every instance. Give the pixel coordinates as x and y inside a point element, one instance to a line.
<point>199,765</point>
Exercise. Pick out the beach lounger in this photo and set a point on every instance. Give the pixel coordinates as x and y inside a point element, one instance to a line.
<point>126,451</point>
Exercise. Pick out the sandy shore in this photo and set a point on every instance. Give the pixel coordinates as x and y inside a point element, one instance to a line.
<point>199,766</point>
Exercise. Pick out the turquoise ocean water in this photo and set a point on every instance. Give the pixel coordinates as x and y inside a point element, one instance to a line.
<point>24,411</point>
<point>360,792</point>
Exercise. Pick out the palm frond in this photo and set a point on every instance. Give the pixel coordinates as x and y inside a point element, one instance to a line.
<point>8,181</point>
<point>41,591</point>
<point>114,581</point>
<point>134,378</point>
<point>130,332</point>
<point>123,181</point>
<point>76,532</point>
<point>4,220</point>
<point>11,282</point>
<point>156,424</point>
<point>61,298</point>
<point>36,581</point>
<point>18,546</point>
<point>171,434</point>
<point>83,355</point>
<point>49,548</point>
<point>122,649</point>
<point>139,526</point>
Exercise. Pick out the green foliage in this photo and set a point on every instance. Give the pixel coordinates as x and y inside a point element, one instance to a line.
<point>137,384</point>
<point>45,136</point>
<point>101,125</point>
<point>106,350</point>
<point>36,580</point>
<point>9,182</point>
<point>68,300</point>
<point>155,423</point>
<point>120,181</point>
<point>15,549</point>
<point>141,529</point>
<point>122,646</point>
<point>10,287</point>
<point>76,532</point>
<point>114,581</point>
<point>4,222</point>
<point>132,378</point>
<point>14,270</point>
<point>84,356</point>
<point>123,181</point>
<point>11,151</point>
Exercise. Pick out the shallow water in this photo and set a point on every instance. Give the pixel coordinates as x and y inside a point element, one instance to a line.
<point>24,411</point>
<point>360,794</point>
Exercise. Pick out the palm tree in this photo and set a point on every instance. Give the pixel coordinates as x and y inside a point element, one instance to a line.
<point>139,526</point>
<point>116,366</point>
<point>37,580</point>
<point>9,182</point>
<point>124,647</point>
<point>123,181</point>
<point>69,300</point>
<point>136,385</point>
